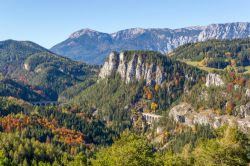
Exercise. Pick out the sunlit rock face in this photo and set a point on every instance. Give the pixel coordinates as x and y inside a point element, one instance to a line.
<point>26,66</point>
<point>184,113</point>
<point>214,80</point>
<point>109,66</point>
<point>248,92</point>
<point>132,68</point>
<point>243,110</point>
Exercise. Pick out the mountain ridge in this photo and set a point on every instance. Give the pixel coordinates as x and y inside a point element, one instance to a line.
<point>92,46</point>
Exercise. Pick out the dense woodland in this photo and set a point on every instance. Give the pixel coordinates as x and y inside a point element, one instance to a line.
<point>41,71</point>
<point>48,136</point>
<point>9,87</point>
<point>222,99</point>
<point>112,99</point>
<point>216,53</point>
<point>100,122</point>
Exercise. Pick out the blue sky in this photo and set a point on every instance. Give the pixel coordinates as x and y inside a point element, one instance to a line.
<point>48,22</point>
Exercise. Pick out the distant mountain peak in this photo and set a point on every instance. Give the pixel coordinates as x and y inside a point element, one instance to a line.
<point>194,28</point>
<point>81,32</point>
<point>128,33</point>
<point>94,46</point>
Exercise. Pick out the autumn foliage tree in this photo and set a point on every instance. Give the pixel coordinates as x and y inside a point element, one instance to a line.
<point>157,87</point>
<point>229,107</point>
<point>154,106</point>
<point>148,94</point>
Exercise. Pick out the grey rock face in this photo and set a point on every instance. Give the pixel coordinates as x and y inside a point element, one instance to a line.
<point>133,69</point>
<point>149,74</point>
<point>26,66</point>
<point>244,124</point>
<point>244,111</point>
<point>122,68</point>
<point>109,66</point>
<point>225,31</point>
<point>92,46</point>
<point>184,113</point>
<point>159,76</point>
<point>213,80</point>
<point>140,69</point>
<point>248,92</point>
<point>180,111</point>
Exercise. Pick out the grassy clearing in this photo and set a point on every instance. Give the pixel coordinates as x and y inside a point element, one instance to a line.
<point>248,70</point>
<point>200,66</point>
<point>209,69</point>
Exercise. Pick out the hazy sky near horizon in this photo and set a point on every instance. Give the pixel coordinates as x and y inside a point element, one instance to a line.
<point>48,22</point>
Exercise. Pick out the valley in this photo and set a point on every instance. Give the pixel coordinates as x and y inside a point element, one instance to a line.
<point>140,107</point>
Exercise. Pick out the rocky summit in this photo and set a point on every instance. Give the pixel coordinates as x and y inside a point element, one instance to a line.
<point>93,46</point>
<point>131,68</point>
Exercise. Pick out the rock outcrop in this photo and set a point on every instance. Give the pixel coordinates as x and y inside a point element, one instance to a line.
<point>109,66</point>
<point>184,113</point>
<point>132,67</point>
<point>214,80</point>
<point>26,67</point>
<point>243,111</point>
<point>248,92</point>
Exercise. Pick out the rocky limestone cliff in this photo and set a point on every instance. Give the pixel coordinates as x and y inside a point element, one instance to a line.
<point>214,80</point>
<point>225,31</point>
<point>243,111</point>
<point>132,68</point>
<point>184,113</point>
<point>248,92</point>
<point>26,67</point>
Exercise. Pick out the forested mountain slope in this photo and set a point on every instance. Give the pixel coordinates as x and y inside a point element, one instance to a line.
<point>46,73</point>
<point>216,53</point>
<point>132,78</point>
<point>104,122</point>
